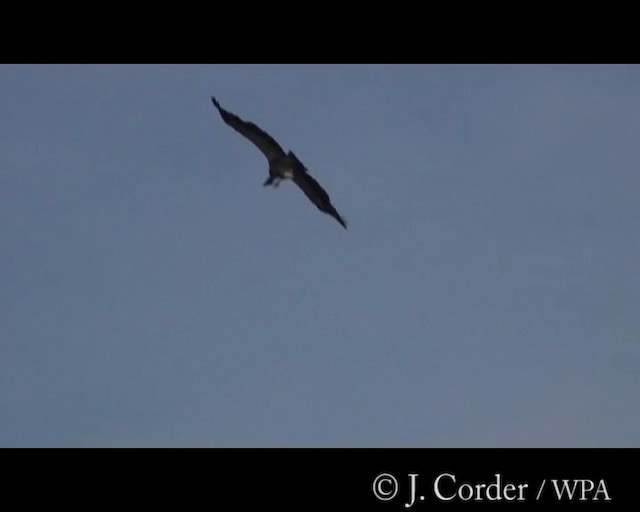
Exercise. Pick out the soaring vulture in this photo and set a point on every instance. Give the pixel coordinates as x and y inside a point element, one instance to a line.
<point>281,165</point>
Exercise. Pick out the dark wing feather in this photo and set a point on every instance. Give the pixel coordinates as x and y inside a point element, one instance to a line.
<point>316,194</point>
<point>265,142</point>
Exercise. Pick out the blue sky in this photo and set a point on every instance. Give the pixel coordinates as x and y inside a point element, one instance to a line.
<point>155,294</point>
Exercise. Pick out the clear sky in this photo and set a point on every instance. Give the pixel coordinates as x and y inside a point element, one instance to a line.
<point>486,294</point>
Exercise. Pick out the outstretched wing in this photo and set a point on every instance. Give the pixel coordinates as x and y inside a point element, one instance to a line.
<point>316,194</point>
<point>265,142</point>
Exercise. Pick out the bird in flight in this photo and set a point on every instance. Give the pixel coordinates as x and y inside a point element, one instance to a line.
<point>281,165</point>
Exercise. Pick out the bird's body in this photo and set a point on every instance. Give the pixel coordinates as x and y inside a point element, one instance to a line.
<point>282,166</point>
